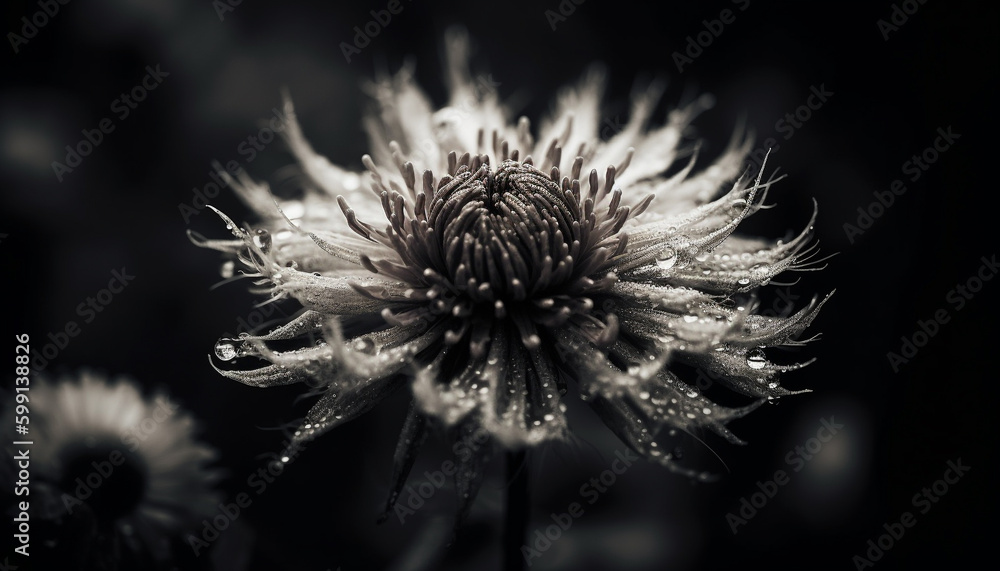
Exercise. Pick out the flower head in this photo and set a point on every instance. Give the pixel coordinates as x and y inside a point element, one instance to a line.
<point>486,268</point>
<point>119,475</point>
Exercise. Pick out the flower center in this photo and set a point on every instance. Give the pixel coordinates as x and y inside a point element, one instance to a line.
<point>109,479</point>
<point>506,235</point>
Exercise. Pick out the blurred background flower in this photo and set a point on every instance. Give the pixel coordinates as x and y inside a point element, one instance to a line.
<point>119,476</point>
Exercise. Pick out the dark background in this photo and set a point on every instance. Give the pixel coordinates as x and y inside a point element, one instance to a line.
<point>120,208</point>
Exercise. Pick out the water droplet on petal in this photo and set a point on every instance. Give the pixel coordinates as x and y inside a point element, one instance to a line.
<point>228,269</point>
<point>225,350</point>
<point>690,318</point>
<point>262,239</point>
<point>756,359</point>
<point>666,258</point>
<point>743,281</point>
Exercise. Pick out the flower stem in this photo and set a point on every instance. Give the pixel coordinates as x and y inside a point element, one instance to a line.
<point>518,510</point>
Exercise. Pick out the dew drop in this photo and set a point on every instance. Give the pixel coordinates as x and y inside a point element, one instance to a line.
<point>743,281</point>
<point>666,258</point>
<point>756,359</point>
<point>690,318</point>
<point>225,349</point>
<point>228,269</point>
<point>262,239</point>
<point>644,395</point>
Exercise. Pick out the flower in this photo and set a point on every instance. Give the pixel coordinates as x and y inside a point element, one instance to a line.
<point>118,475</point>
<point>488,268</point>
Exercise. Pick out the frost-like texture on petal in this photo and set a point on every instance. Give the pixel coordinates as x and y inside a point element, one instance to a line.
<point>486,269</point>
